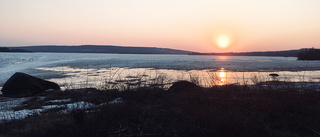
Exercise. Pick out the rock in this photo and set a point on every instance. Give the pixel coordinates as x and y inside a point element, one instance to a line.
<point>273,75</point>
<point>23,85</point>
<point>184,86</point>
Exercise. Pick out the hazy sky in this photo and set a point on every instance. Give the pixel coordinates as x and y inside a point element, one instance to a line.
<point>196,25</point>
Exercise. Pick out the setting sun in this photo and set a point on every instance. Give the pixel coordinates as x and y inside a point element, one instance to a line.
<point>223,42</point>
<point>223,38</point>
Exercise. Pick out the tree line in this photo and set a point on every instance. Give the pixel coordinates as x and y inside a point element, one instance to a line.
<point>4,49</point>
<point>309,54</point>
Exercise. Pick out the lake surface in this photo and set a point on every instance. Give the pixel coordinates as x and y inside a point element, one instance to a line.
<point>78,70</point>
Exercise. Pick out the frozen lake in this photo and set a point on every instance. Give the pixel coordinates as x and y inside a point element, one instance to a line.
<point>96,70</point>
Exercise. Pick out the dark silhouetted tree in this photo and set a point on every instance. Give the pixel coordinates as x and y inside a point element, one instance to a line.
<point>4,49</point>
<point>309,54</point>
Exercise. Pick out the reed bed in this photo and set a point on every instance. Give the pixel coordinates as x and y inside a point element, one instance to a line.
<point>142,106</point>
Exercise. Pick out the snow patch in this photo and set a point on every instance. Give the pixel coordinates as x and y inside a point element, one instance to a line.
<point>41,98</point>
<point>78,106</point>
<point>9,103</point>
<point>7,114</point>
<point>58,101</point>
<point>116,101</point>
<point>52,106</point>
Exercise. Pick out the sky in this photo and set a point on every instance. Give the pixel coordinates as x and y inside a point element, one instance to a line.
<point>194,25</point>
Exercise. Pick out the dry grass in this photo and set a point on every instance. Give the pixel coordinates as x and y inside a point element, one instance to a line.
<point>218,111</point>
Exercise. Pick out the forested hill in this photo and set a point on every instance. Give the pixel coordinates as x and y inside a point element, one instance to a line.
<point>285,53</point>
<point>4,49</point>
<point>309,54</point>
<point>102,49</point>
<point>147,50</point>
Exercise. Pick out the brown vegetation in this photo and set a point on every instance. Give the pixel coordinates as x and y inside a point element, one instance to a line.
<point>217,111</point>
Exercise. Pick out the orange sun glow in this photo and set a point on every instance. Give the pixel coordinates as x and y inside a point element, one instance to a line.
<point>223,38</point>
<point>223,42</point>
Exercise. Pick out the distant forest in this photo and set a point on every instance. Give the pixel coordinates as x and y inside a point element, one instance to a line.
<point>101,49</point>
<point>302,54</point>
<point>286,53</point>
<point>4,49</point>
<point>309,54</point>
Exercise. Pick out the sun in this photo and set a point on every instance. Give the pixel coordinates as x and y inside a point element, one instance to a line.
<point>223,38</point>
<point>223,42</point>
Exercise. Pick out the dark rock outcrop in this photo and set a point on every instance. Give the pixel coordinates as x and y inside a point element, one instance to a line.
<point>23,85</point>
<point>273,75</point>
<point>181,86</point>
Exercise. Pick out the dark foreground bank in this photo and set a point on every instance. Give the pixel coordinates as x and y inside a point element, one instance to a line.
<point>217,111</point>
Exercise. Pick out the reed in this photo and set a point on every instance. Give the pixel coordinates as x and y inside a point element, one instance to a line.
<point>261,106</point>
<point>228,110</point>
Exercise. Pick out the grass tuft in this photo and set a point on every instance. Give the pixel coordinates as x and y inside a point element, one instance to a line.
<point>230,110</point>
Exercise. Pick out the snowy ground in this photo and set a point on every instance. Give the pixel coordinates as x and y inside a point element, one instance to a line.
<point>7,105</point>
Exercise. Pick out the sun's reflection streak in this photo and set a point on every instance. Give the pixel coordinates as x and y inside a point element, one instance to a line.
<point>223,58</point>
<point>222,77</point>
<point>99,78</point>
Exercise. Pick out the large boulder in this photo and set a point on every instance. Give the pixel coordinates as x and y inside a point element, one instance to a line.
<point>23,85</point>
<point>181,86</point>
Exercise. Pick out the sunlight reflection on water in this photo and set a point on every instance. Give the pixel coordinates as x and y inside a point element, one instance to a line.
<point>81,70</point>
<point>135,77</point>
<point>222,77</point>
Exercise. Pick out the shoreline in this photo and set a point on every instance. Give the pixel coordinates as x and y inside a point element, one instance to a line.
<point>93,78</point>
